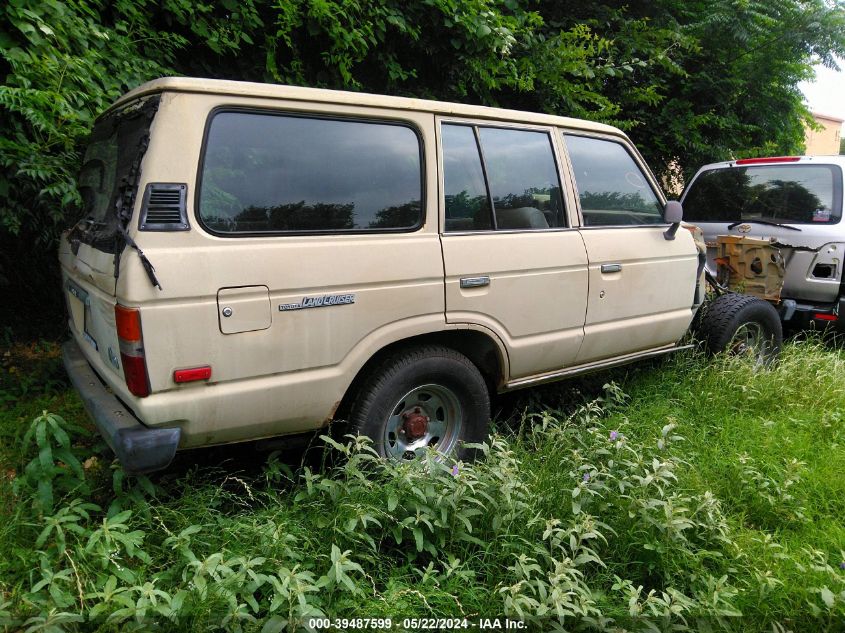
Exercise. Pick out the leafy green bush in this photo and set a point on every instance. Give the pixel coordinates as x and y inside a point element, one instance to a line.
<point>67,61</point>
<point>692,82</point>
<point>56,467</point>
<point>65,66</point>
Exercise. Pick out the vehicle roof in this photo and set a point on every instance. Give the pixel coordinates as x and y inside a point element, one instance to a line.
<point>835,159</point>
<point>298,93</point>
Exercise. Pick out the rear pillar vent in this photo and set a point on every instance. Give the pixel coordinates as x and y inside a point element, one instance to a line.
<point>164,207</point>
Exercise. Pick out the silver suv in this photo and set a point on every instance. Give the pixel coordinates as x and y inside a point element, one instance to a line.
<point>796,202</point>
<point>259,260</point>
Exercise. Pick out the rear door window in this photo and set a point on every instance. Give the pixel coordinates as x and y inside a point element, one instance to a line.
<point>794,194</point>
<point>500,178</point>
<point>273,173</point>
<point>612,188</point>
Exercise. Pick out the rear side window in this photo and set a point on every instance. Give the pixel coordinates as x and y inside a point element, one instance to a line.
<point>272,173</point>
<point>794,194</point>
<point>612,188</point>
<point>511,183</point>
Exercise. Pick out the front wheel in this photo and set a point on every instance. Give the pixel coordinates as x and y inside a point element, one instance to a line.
<point>422,398</point>
<point>742,325</point>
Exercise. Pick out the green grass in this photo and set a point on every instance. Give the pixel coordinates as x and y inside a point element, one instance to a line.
<point>691,493</point>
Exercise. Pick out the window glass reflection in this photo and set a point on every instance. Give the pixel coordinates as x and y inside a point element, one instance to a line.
<point>271,173</point>
<point>611,187</point>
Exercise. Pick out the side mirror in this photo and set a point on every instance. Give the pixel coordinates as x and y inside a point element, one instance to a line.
<point>673,213</point>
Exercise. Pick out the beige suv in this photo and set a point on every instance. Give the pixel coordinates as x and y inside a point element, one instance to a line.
<point>258,260</point>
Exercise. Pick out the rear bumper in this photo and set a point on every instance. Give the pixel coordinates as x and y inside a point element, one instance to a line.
<point>817,316</point>
<point>140,449</point>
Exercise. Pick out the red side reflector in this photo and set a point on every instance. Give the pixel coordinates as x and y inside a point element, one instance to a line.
<point>818,316</point>
<point>192,374</point>
<point>128,322</point>
<point>135,373</point>
<point>771,159</point>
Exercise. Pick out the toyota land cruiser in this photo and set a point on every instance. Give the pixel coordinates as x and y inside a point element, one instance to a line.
<point>257,260</point>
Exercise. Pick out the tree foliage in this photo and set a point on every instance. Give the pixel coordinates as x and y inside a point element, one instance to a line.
<point>692,82</point>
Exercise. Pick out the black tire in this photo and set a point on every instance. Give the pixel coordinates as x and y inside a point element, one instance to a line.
<point>729,321</point>
<point>438,382</point>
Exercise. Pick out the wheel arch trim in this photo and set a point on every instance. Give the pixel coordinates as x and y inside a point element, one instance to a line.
<point>479,344</point>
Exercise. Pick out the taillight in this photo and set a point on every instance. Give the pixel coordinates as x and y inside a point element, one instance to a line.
<point>128,322</point>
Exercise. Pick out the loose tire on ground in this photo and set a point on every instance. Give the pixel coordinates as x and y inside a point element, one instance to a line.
<point>428,396</point>
<point>741,324</point>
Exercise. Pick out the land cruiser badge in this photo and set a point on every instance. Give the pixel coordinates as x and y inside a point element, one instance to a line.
<point>321,301</point>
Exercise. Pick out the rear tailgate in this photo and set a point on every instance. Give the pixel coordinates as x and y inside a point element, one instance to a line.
<point>90,253</point>
<point>89,295</point>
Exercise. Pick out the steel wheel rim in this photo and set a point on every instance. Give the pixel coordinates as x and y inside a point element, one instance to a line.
<point>750,340</point>
<point>444,421</point>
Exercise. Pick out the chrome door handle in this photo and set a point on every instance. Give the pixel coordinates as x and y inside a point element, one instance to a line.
<point>474,282</point>
<point>611,268</point>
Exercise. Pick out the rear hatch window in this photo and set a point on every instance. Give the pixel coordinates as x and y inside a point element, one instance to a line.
<point>786,194</point>
<point>109,176</point>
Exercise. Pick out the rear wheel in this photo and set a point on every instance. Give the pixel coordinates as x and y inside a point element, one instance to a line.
<point>742,325</point>
<point>422,398</point>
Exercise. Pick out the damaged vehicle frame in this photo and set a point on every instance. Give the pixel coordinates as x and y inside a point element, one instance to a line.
<point>312,255</point>
<point>793,203</point>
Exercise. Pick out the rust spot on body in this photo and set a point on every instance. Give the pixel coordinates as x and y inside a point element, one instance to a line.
<point>332,413</point>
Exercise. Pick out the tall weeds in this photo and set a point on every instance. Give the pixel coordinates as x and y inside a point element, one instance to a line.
<point>703,496</point>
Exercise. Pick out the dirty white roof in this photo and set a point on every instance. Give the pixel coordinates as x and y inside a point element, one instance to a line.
<point>297,93</point>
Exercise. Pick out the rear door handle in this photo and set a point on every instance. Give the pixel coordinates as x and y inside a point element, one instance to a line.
<point>475,282</point>
<point>611,268</point>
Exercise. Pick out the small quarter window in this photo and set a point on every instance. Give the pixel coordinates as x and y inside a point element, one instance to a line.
<point>467,204</point>
<point>271,173</point>
<point>611,187</point>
